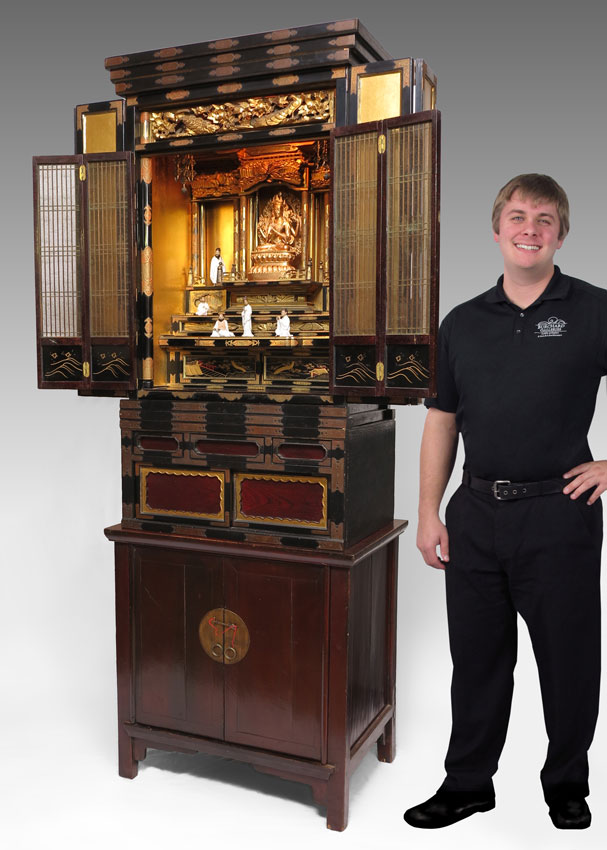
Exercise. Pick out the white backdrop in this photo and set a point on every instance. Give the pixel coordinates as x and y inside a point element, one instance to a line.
<point>520,89</point>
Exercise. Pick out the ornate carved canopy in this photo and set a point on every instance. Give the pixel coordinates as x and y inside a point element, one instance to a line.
<point>296,165</point>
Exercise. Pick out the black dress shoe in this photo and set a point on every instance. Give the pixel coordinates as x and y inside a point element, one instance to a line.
<point>570,814</point>
<point>446,809</point>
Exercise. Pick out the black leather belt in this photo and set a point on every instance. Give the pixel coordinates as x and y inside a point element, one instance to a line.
<point>503,491</point>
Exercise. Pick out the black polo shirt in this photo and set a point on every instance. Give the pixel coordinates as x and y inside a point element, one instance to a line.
<point>523,382</point>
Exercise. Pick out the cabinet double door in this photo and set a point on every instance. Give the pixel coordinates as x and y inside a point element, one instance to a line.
<point>230,648</point>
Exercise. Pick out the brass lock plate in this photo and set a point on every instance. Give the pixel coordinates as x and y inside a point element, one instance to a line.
<point>224,636</point>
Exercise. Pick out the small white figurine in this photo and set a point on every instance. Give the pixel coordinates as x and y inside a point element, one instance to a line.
<point>247,312</point>
<point>283,325</point>
<point>220,328</point>
<point>203,306</point>
<point>217,267</point>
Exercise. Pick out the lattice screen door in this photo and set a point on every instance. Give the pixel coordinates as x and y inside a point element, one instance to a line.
<point>385,203</point>
<point>83,228</point>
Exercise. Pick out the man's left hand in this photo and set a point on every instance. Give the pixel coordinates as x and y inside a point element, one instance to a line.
<point>585,476</point>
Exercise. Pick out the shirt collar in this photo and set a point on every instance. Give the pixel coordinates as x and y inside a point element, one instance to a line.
<point>557,289</point>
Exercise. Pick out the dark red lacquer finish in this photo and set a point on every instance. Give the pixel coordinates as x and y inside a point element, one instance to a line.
<point>158,444</point>
<point>227,447</point>
<point>301,452</point>
<point>314,691</point>
<point>295,500</point>
<point>194,494</point>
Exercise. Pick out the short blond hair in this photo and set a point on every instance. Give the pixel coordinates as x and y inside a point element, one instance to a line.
<point>537,187</point>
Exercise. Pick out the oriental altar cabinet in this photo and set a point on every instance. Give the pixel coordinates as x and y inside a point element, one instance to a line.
<point>244,247</point>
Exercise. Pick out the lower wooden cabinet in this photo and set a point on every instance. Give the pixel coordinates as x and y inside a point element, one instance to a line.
<point>279,657</point>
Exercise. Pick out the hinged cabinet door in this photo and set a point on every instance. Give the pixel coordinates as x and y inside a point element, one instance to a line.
<point>59,258</point>
<point>385,246</point>
<point>85,294</point>
<point>274,696</point>
<point>408,330</point>
<point>355,251</point>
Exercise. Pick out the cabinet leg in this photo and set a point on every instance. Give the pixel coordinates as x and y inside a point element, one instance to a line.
<point>386,745</point>
<point>338,789</point>
<point>139,750</point>
<point>127,763</point>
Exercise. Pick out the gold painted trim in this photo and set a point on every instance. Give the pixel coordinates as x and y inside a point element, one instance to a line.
<point>170,66</point>
<point>225,58</point>
<point>169,80</point>
<point>339,26</point>
<point>147,369</point>
<point>282,49</point>
<point>280,35</point>
<point>147,285</point>
<point>239,515</point>
<point>223,44</point>
<point>144,508</point>
<point>288,80</point>
<point>230,137</point>
<point>168,52</point>
<point>342,41</point>
<point>225,71</point>
<point>112,61</point>
<point>280,64</point>
<point>146,169</point>
<point>229,88</point>
<point>177,94</point>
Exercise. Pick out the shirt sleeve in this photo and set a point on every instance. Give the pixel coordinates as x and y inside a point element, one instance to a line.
<point>447,396</point>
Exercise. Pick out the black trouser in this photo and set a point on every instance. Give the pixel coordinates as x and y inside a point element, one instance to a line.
<point>539,557</point>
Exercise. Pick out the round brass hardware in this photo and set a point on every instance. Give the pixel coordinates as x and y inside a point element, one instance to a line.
<point>224,636</point>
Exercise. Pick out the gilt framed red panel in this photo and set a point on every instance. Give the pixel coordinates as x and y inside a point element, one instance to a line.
<point>301,451</point>
<point>240,448</point>
<point>182,492</point>
<point>156,443</point>
<point>281,500</point>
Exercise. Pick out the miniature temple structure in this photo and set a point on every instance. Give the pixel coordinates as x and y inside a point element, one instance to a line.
<point>244,247</point>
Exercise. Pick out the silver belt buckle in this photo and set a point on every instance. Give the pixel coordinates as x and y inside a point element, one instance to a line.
<point>494,488</point>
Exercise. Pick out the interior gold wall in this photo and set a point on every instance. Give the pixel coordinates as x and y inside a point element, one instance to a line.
<point>171,253</point>
<point>218,232</point>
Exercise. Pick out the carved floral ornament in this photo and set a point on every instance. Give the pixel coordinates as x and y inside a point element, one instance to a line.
<point>290,166</point>
<point>249,114</point>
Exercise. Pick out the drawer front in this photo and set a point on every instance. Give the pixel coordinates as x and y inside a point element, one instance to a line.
<point>187,493</point>
<point>292,500</point>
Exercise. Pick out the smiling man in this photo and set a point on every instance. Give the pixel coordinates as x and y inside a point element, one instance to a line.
<point>519,370</point>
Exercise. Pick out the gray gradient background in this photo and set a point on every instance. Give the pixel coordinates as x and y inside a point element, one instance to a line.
<point>521,88</point>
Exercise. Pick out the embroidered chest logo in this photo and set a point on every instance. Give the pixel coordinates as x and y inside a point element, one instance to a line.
<point>551,327</point>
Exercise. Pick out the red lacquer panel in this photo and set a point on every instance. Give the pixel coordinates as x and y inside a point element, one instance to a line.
<point>158,444</point>
<point>299,501</point>
<point>196,494</point>
<point>302,451</point>
<point>227,447</point>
